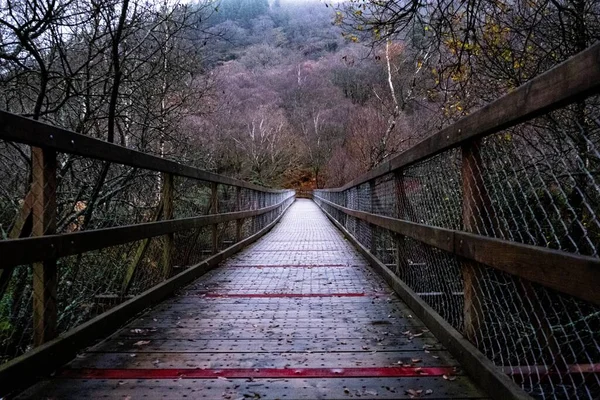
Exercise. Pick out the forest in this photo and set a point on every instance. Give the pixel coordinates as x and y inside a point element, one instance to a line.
<point>282,93</point>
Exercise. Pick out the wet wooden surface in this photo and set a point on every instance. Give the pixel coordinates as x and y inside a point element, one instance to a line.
<point>298,315</point>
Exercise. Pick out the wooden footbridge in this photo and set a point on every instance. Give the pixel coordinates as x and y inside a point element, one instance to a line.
<point>465,267</point>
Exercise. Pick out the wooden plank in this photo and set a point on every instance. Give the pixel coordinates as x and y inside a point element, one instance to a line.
<point>263,360</point>
<point>19,129</point>
<point>23,370</point>
<point>536,264</point>
<point>238,331</point>
<point>478,366</point>
<point>574,79</point>
<point>27,250</point>
<point>254,373</point>
<point>300,388</point>
<point>45,274</point>
<point>265,345</point>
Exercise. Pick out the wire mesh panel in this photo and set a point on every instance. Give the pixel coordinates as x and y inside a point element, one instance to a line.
<point>44,192</point>
<point>535,183</point>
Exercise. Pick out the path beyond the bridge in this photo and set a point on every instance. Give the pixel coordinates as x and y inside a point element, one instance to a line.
<point>297,315</point>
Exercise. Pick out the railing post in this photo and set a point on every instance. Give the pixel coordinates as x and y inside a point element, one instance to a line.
<point>167,200</point>
<point>475,201</point>
<point>45,274</point>
<point>214,187</point>
<point>401,201</point>
<point>373,208</point>
<point>240,222</point>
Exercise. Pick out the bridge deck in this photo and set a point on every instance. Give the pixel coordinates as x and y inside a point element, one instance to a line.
<point>298,315</point>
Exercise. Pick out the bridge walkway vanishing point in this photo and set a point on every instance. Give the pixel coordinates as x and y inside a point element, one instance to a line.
<point>297,315</point>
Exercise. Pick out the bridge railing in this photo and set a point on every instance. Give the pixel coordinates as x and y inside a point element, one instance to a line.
<point>91,228</point>
<point>490,228</point>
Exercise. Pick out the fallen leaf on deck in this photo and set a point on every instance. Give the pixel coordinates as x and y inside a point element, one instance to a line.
<point>141,343</point>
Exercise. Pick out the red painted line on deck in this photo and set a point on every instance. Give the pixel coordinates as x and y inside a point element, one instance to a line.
<point>188,373</point>
<point>291,266</point>
<point>279,295</point>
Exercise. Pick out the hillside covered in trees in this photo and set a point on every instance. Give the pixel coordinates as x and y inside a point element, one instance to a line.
<point>298,102</point>
<point>280,93</point>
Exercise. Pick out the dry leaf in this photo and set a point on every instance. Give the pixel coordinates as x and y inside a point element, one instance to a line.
<point>141,343</point>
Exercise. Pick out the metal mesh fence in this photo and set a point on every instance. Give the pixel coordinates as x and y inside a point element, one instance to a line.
<point>44,193</point>
<point>536,184</point>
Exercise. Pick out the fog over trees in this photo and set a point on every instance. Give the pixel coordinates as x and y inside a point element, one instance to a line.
<point>279,93</point>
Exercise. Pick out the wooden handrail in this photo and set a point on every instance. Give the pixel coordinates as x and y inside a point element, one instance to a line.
<point>576,78</point>
<point>19,129</point>
<point>576,275</point>
<point>35,249</point>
